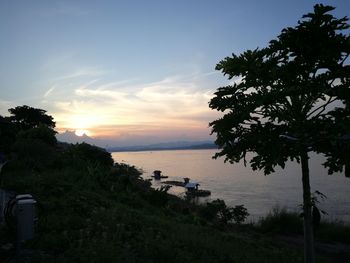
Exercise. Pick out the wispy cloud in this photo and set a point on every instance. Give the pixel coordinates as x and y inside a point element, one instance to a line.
<point>83,72</point>
<point>48,92</point>
<point>175,104</point>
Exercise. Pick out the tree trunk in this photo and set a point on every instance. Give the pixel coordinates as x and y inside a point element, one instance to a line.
<point>309,254</point>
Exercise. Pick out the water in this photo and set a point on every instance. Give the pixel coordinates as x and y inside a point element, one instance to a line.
<point>237,184</point>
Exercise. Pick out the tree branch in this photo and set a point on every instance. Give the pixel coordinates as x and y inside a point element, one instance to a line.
<point>342,62</point>
<point>322,108</point>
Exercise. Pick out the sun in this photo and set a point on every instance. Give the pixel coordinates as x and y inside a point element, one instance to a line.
<point>81,132</point>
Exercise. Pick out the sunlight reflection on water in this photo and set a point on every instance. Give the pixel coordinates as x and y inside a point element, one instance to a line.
<point>237,184</point>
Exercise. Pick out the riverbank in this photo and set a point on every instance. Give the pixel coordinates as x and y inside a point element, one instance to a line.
<point>92,211</point>
<point>237,184</point>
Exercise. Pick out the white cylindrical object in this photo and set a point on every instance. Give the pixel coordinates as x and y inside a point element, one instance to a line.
<point>25,215</point>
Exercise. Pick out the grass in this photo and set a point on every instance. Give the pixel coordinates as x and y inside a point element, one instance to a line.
<point>89,213</point>
<point>333,231</point>
<point>281,221</point>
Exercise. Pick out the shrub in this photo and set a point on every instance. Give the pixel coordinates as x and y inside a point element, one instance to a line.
<point>41,132</point>
<point>281,221</point>
<point>239,214</point>
<point>335,231</point>
<point>90,153</point>
<point>218,211</point>
<point>159,196</point>
<point>35,153</point>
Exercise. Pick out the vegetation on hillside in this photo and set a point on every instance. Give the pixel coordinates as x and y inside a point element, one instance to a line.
<point>91,209</point>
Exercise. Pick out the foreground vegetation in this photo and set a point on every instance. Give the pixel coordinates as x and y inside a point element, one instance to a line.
<point>292,98</point>
<point>90,212</point>
<point>91,209</point>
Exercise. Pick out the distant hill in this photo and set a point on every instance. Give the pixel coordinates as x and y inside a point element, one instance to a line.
<point>71,137</point>
<point>180,145</point>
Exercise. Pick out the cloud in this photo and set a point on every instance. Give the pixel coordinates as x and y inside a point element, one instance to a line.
<point>83,72</point>
<point>5,105</point>
<point>49,91</point>
<point>173,106</point>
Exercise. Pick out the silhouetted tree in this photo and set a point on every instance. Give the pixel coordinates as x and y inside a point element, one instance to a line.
<point>41,132</point>
<point>28,117</point>
<point>288,99</point>
<point>90,153</point>
<point>8,132</point>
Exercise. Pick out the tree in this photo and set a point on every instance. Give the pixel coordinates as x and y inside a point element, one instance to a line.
<point>8,132</point>
<point>28,117</point>
<point>288,99</point>
<point>41,132</point>
<point>90,153</point>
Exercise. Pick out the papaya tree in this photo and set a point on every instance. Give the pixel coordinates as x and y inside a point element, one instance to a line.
<point>288,99</point>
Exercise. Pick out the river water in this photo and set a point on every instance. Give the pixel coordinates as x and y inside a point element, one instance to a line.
<point>237,184</point>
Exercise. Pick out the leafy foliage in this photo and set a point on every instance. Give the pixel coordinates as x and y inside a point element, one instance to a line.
<point>81,220</point>
<point>296,89</point>
<point>29,117</point>
<point>40,132</point>
<point>159,197</point>
<point>26,123</point>
<point>8,133</point>
<point>90,153</point>
<point>279,220</point>
<point>218,211</point>
<point>35,153</point>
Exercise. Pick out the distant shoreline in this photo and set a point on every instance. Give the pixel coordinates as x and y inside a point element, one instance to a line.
<point>151,148</point>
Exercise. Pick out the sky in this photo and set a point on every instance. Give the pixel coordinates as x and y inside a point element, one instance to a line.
<point>131,72</point>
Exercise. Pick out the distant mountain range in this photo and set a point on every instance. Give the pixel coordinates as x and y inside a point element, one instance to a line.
<point>71,137</point>
<point>179,145</point>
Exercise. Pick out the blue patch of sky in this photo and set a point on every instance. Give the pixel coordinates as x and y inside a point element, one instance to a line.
<point>142,41</point>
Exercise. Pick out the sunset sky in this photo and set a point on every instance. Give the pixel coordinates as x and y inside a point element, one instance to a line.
<point>131,72</point>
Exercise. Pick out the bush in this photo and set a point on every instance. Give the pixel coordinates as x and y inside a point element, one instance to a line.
<point>89,153</point>
<point>217,211</point>
<point>159,196</point>
<point>42,132</point>
<point>8,133</point>
<point>335,231</point>
<point>35,153</point>
<point>239,214</point>
<point>281,221</point>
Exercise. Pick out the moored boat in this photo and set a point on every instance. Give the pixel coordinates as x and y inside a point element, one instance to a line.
<point>157,175</point>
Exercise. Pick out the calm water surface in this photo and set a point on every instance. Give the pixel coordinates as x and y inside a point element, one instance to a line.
<point>237,184</point>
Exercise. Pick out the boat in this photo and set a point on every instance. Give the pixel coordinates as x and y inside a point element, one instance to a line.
<point>157,175</point>
<point>176,183</point>
<point>191,187</point>
<point>192,190</point>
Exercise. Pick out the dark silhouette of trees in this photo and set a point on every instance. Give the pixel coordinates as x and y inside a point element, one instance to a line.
<point>28,135</point>
<point>8,132</point>
<point>41,132</point>
<point>25,127</point>
<point>28,117</point>
<point>90,153</point>
<point>36,146</point>
<point>289,98</point>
